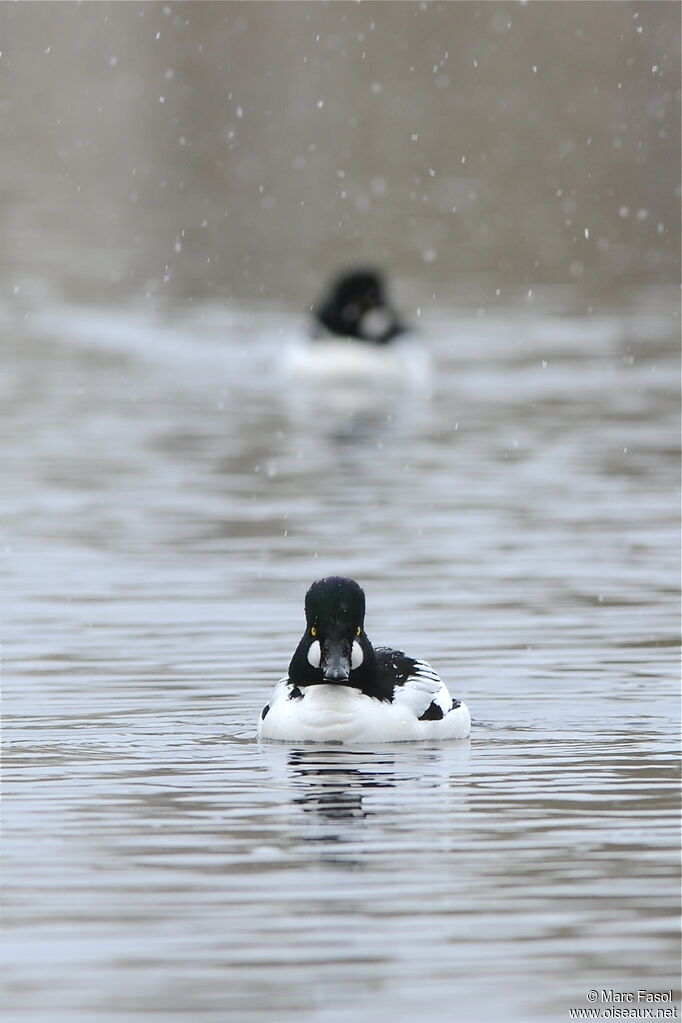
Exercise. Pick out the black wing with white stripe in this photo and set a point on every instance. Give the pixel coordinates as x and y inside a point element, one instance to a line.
<point>416,685</point>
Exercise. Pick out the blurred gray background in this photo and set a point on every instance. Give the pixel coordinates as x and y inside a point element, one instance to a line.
<point>243,150</point>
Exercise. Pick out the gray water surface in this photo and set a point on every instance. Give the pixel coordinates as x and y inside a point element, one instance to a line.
<point>168,500</point>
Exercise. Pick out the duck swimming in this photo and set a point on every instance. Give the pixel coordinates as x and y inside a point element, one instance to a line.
<point>355,306</point>
<point>356,335</point>
<point>341,689</point>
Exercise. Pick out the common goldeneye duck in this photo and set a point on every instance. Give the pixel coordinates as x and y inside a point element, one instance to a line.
<point>357,336</point>
<point>356,306</point>
<point>342,689</point>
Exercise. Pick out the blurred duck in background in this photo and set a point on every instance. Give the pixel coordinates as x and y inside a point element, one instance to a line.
<point>358,337</point>
<point>355,307</point>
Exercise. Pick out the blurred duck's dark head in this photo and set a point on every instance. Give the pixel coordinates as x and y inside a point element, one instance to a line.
<point>356,306</point>
<point>334,647</point>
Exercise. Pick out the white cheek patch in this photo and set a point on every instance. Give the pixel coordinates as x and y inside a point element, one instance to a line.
<point>356,656</point>
<point>314,654</point>
<point>375,323</point>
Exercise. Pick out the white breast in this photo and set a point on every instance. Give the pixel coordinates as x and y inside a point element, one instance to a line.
<point>346,359</point>
<point>333,713</point>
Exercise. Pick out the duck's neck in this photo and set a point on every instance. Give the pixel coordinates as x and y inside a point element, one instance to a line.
<point>367,677</point>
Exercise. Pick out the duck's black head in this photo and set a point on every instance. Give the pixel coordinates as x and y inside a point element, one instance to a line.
<point>334,647</point>
<point>335,601</point>
<point>356,306</point>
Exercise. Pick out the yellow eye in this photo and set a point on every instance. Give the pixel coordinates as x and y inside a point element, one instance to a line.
<point>358,631</point>
<point>313,631</point>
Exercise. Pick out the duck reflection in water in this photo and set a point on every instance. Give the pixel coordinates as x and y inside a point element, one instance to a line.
<point>330,783</point>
